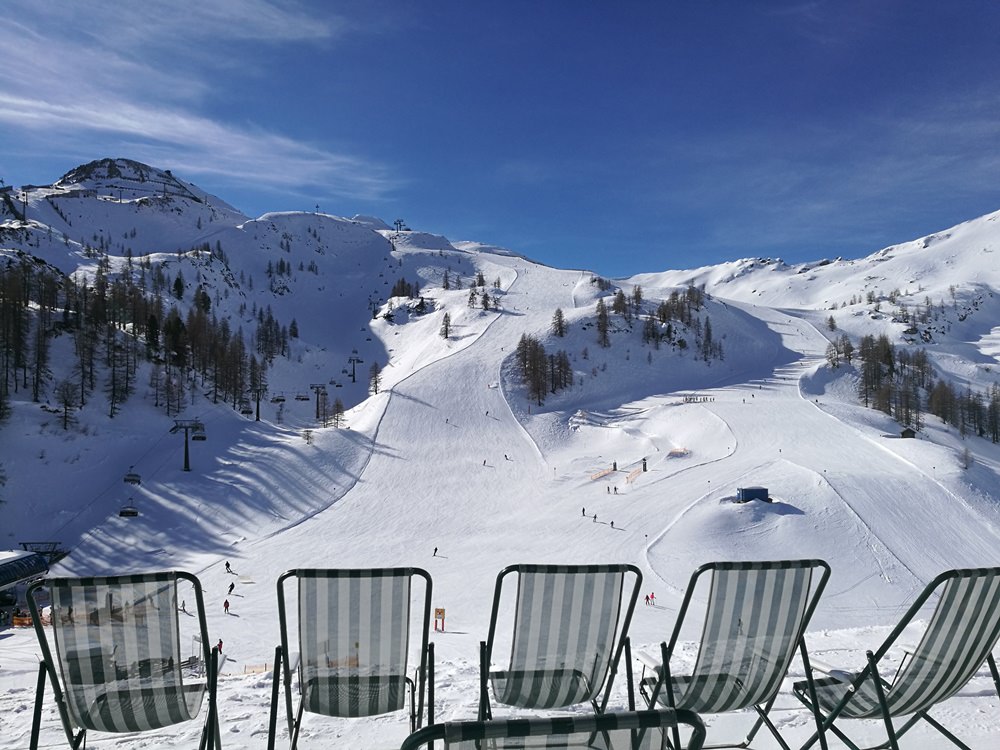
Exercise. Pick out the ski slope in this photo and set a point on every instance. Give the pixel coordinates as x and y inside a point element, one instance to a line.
<point>450,457</point>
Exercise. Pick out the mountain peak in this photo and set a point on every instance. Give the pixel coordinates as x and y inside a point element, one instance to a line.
<point>133,179</point>
<point>104,170</point>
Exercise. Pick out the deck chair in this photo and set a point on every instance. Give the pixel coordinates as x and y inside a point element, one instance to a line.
<point>633,730</point>
<point>570,624</point>
<point>959,637</point>
<point>756,615</point>
<point>354,637</point>
<point>115,658</point>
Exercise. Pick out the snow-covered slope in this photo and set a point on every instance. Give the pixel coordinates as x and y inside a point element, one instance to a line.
<point>452,454</point>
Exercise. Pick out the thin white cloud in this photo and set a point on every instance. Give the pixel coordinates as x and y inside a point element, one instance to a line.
<point>201,146</point>
<point>847,184</point>
<point>113,74</point>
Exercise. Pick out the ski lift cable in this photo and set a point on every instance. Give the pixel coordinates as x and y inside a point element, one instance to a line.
<point>112,484</point>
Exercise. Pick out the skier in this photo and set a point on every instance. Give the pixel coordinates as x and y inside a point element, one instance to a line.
<point>435,552</point>
<point>608,488</point>
<point>647,600</point>
<point>183,606</point>
<point>652,597</point>
<point>228,569</point>
<point>220,646</point>
<point>616,489</point>
<point>612,524</point>
<point>225,606</point>
<point>231,587</point>
<point>595,518</point>
<point>583,511</point>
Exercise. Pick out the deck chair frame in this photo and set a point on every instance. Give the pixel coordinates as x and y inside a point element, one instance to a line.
<point>619,632</point>
<point>418,690</point>
<point>49,669</point>
<point>595,730</point>
<point>974,591</point>
<point>754,584</point>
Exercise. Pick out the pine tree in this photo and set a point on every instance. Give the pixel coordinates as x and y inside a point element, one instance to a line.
<point>636,299</point>
<point>446,326</point>
<point>603,324</point>
<point>620,305</point>
<point>66,398</point>
<point>558,323</point>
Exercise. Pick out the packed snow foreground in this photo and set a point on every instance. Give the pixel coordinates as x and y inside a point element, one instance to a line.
<point>453,469</point>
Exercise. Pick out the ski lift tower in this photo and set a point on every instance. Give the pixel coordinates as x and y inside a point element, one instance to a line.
<point>258,393</point>
<point>192,427</point>
<point>320,390</point>
<point>354,359</point>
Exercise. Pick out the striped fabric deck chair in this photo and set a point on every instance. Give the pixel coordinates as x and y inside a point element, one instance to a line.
<point>570,624</point>
<point>115,658</point>
<point>755,619</point>
<point>354,642</point>
<point>959,637</point>
<point>633,730</point>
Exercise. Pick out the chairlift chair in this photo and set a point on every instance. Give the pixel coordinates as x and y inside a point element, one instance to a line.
<point>128,510</point>
<point>198,433</point>
<point>132,477</point>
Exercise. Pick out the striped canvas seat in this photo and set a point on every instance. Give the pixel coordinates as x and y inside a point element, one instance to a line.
<point>541,688</point>
<point>115,660</point>
<point>354,642</point>
<point>137,708</point>
<point>634,730</point>
<point>959,638</point>
<point>754,622</point>
<point>569,629</point>
<point>333,695</point>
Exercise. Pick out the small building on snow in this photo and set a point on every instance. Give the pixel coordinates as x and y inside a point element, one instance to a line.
<point>746,494</point>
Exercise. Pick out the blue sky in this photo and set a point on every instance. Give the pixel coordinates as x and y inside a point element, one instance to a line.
<point>620,137</point>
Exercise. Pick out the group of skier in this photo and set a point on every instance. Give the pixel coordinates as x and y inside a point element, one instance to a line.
<point>225,604</point>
